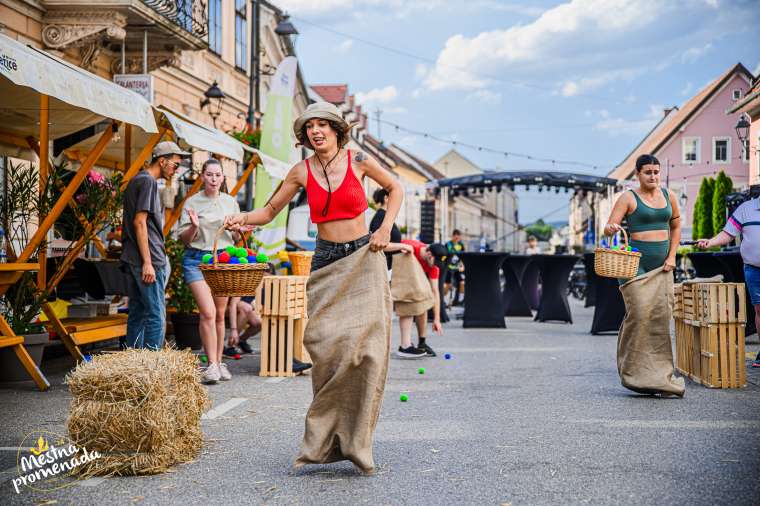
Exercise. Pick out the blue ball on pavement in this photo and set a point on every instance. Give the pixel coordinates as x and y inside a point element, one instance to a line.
<point>447,356</point>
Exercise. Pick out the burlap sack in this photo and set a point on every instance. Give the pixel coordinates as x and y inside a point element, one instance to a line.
<point>348,337</point>
<point>410,287</point>
<point>645,355</point>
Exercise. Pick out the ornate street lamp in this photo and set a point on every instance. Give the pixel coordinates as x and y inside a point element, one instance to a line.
<point>286,29</point>
<point>742,131</point>
<point>214,100</point>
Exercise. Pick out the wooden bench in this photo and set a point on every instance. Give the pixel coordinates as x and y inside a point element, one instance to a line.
<point>76,332</point>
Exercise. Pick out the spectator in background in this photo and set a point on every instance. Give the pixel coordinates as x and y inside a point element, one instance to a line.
<point>454,266</point>
<point>745,221</point>
<point>381,199</point>
<point>533,248</point>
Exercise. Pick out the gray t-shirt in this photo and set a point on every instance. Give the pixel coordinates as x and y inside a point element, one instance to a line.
<point>746,221</point>
<point>142,195</point>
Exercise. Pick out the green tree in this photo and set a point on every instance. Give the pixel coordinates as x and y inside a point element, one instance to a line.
<point>542,231</point>
<point>696,232</point>
<point>723,186</point>
<point>704,200</point>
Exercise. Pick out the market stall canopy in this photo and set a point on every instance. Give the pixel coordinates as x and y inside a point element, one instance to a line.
<point>77,97</point>
<point>188,133</point>
<point>585,182</point>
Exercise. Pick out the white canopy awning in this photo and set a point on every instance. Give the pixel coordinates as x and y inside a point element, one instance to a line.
<point>276,168</point>
<point>201,137</point>
<point>77,97</point>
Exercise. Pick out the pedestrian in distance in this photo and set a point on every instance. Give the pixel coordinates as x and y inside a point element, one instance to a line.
<point>348,334</point>
<point>744,221</point>
<point>143,255</point>
<point>455,267</point>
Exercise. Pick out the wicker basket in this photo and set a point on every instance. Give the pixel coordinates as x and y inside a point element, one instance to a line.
<point>232,280</point>
<point>300,261</point>
<point>616,263</point>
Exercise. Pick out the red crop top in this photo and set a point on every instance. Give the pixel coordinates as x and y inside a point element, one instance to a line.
<point>347,201</point>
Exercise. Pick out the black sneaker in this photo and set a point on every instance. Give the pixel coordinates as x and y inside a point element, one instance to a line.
<point>427,350</point>
<point>299,366</point>
<point>245,347</point>
<point>230,352</point>
<point>410,352</point>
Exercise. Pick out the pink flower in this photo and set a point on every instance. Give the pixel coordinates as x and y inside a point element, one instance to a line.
<point>80,198</point>
<point>95,177</point>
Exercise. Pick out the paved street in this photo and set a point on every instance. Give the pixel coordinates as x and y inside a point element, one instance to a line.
<point>533,414</point>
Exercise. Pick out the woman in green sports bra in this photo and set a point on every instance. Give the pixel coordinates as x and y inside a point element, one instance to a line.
<point>653,218</point>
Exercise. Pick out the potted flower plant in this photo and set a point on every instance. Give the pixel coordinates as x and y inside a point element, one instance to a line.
<point>181,304</point>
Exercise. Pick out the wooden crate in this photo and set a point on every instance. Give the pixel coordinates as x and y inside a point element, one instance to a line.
<point>281,302</point>
<point>711,354</point>
<point>282,296</point>
<point>709,322</point>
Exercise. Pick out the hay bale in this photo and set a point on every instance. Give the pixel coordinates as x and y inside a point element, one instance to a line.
<point>139,409</point>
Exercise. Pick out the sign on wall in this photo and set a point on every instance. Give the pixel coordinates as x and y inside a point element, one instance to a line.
<point>141,84</point>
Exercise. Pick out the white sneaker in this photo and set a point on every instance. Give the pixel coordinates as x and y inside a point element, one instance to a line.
<point>224,373</point>
<point>212,374</point>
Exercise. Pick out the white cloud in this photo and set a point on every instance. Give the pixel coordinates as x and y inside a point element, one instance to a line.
<point>590,44</point>
<point>485,97</point>
<point>345,46</point>
<point>756,72</point>
<point>695,53</point>
<point>384,95</point>
<point>615,127</point>
<point>401,8</point>
<point>686,89</point>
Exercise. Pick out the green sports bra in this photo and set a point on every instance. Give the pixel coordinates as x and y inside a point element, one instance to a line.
<point>646,218</point>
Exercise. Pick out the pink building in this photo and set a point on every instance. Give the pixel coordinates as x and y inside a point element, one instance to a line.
<point>697,140</point>
<point>750,106</point>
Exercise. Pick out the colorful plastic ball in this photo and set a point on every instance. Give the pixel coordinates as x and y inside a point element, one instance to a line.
<point>234,260</point>
<point>206,259</point>
<point>404,398</point>
<point>282,255</point>
<point>614,248</point>
<point>231,250</point>
<point>88,358</point>
<point>204,359</point>
<point>285,265</point>
<point>262,258</point>
<point>447,356</point>
<point>241,252</point>
<point>635,250</point>
<point>210,260</point>
<point>242,260</point>
<point>421,370</point>
<point>251,259</point>
<point>250,251</point>
<point>224,257</point>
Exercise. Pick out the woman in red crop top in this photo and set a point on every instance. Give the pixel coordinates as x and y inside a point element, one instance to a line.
<point>348,334</point>
<point>332,177</point>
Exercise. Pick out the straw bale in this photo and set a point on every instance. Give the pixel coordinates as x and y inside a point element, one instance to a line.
<point>139,409</point>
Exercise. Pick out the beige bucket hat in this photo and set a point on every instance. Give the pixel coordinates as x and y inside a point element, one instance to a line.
<point>323,110</point>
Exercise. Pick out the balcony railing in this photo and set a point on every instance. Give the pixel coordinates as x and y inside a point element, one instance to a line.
<point>190,15</point>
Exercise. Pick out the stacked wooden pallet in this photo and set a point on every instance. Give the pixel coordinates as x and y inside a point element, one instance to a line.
<point>709,321</point>
<point>281,302</point>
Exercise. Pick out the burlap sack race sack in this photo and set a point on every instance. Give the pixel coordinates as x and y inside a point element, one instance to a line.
<point>139,409</point>
<point>410,287</point>
<point>348,337</point>
<point>645,354</point>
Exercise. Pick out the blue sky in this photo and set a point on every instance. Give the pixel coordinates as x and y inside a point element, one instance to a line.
<point>579,80</point>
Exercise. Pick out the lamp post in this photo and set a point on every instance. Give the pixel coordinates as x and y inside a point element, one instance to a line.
<point>742,131</point>
<point>214,100</point>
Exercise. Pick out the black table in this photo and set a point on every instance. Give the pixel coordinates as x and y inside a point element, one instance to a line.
<point>609,309</point>
<point>483,306</point>
<point>514,297</point>
<point>555,270</point>
<point>591,278</point>
<point>529,283</point>
<point>706,264</point>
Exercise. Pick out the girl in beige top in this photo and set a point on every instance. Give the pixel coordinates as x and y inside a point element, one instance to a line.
<point>203,215</point>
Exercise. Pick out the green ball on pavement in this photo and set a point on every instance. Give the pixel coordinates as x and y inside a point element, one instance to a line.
<point>421,370</point>
<point>404,397</point>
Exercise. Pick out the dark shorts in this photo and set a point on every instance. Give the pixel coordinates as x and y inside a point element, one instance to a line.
<point>752,280</point>
<point>327,252</point>
<point>454,276</point>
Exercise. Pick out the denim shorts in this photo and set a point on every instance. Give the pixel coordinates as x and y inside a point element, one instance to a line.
<point>327,252</point>
<point>752,280</point>
<point>190,262</point>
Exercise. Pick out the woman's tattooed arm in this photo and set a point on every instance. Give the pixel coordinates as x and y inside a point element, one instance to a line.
<point>359,156</point>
